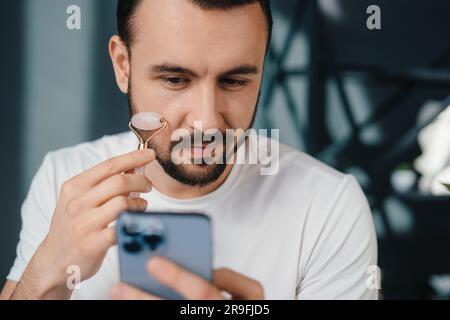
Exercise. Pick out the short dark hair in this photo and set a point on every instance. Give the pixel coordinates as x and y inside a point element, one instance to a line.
<point>127,8</point>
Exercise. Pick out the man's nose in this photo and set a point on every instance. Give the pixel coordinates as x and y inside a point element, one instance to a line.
<point>206,108</point>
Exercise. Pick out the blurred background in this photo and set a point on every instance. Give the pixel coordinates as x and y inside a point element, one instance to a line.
<point>367,102</point>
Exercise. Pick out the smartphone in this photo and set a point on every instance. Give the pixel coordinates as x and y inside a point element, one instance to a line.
<point>184,238</point>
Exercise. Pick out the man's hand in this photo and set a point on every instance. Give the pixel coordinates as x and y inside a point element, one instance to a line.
<point>79,233</point>
<point>191,286</point>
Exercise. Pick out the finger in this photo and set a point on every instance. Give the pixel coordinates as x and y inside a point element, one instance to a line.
<point>113,166</point>
<point>238,285</point>
<point>189,285</point>
<point>117,185</point>
<point>110,210</point>
<point>123,291</point>
<point>107,237</point>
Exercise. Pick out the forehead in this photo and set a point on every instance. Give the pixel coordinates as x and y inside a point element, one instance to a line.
<point>178,31</point>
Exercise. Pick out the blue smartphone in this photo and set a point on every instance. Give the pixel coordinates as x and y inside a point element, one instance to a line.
<point>184,238</point>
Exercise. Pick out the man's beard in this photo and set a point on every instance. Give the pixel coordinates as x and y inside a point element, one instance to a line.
<point>200,175</point>
<point>194,175</point>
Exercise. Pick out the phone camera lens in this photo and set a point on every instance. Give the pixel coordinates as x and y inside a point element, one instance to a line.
<point>153,240</point>
<point>132,246</point>
<point>130,229</point>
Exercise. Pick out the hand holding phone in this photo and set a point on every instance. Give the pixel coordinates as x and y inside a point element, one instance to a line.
<point>183,238</point>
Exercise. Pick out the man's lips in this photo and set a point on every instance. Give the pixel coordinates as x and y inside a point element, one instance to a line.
<point>199,151</point>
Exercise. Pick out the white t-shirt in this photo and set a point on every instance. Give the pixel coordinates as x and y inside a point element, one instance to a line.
<point>304,233</point>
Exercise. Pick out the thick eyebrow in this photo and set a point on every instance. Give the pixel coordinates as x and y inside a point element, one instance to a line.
<point>170,68</point>
<point>241,70</point>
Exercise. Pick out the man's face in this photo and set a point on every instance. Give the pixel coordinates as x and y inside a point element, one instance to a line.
<point>192,65</point>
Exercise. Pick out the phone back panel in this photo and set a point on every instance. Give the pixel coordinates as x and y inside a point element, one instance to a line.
<point>183,238</point>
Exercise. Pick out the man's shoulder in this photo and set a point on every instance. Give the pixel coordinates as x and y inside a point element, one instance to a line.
<point>301,181</point>
<point>294,165</point>
<point>309,187</point>
<point>302,163</point>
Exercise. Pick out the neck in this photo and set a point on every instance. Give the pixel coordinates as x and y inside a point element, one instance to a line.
<point>172,188</point>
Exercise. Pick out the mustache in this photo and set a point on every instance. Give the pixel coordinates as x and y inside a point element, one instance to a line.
<point>211,139</point>
<point>199,138</point>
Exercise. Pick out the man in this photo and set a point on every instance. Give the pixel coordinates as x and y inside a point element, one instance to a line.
<point>304,232</point>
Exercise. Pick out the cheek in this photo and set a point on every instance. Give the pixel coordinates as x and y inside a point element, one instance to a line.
<point>146,96</point>
<point>239,110</point>
<point>150,96</point>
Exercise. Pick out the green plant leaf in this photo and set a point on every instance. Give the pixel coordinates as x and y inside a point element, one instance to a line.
<point>447,185</point>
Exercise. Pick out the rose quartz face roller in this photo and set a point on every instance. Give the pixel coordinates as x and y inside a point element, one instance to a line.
<point>146,125</point>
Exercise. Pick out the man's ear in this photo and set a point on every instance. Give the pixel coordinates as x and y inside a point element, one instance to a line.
<point>121,63</point>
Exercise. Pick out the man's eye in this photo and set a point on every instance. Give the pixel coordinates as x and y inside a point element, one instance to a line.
<point>229,82</point>
<point>175,81</point>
